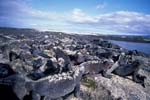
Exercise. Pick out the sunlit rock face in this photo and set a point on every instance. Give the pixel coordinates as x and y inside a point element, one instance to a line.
<point>50,65</point>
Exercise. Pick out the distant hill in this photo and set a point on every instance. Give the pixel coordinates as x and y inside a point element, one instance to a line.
<point>16,30</point>
<point>145,39</point>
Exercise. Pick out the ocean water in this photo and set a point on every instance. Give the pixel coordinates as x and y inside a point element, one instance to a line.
<point>144,47</point>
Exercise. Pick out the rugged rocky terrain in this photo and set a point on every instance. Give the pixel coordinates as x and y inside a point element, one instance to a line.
<point>57,66</point>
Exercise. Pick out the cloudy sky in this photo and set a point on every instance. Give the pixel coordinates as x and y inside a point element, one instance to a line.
<point>84,16</point>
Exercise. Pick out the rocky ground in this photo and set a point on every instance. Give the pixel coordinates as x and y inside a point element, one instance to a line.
<point>36,55</point>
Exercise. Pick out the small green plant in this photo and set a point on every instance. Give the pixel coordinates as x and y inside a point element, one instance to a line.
<point>89,82</point>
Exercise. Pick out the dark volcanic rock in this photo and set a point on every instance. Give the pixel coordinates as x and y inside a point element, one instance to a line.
<point>37,63</point>
<point>61,54</point>
<point>34,55</point>
<point>13,55</point>
<point>52,68</point>
<point>5,70</point>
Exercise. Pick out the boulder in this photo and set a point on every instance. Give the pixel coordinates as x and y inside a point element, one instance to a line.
<point>121,89</point>
<point>105,55</point>
<point>5,70</point>
<point>13,56</point>
<point>127,69</point>
<point>3,59</point>
<point>21,67</point>
<point>37,63</point>
<point>59,53</point>
<point>25,46</point>
<point>25,56</point>
<point>80,58</point>
<point>34,51</point>
<point>51,67</point>
<point>143,73</point>
<point>5,49</point>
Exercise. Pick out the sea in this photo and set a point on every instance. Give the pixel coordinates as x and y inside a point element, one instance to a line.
<point>143,47</point>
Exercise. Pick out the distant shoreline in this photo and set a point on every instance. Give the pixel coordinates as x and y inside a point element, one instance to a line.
<point>131,41</point>
<point>137,39</point>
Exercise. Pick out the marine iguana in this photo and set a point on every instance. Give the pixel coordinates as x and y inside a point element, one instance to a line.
<point>51,87</point>
<point>58,85</point>
<point>98,66</point>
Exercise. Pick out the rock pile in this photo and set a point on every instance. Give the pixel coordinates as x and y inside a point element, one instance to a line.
<point>36,57</point>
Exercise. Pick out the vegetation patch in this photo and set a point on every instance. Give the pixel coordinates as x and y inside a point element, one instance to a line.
<point>89,82</point>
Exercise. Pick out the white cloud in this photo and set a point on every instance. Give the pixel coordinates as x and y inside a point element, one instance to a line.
<point>78,16</point>
<point>21,9</point>
<point>121,21</point>
<point>101,6</point>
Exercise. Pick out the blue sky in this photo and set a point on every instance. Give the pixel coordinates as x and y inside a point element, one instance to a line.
<point>83,16</point>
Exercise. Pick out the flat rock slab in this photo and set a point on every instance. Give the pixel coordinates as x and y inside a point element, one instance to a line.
<point>122,88</point>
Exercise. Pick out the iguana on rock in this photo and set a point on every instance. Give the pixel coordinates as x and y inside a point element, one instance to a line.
<point>95,67</point>
<point>56,86</point>
<point>51,87</point>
